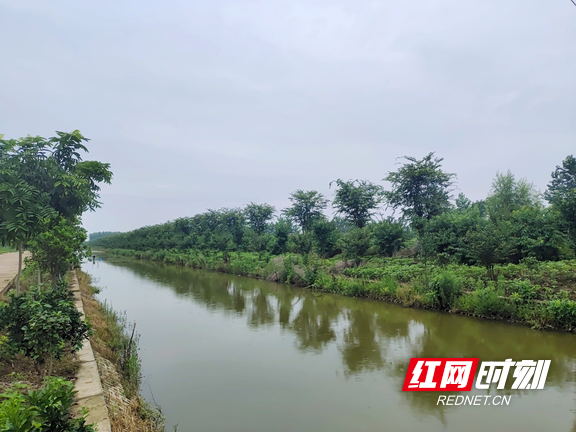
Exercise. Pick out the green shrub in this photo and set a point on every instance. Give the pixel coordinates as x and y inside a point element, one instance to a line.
<point>45,410</point>
<point>562,313</point>
<point>524,289</point>
<point>41,324</point>
<point>488,302</point>
<point>444,290</point>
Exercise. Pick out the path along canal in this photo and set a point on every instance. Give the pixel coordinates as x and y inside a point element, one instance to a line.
<point>227,353</point>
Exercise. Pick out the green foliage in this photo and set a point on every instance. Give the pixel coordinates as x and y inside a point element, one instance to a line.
<point>59,247</point>
<point>487,244</point>
<point>420,188</point>
<point>307,207</point>
<point>388,236</point>
<point>485,302</point>
<point>258,216</point>
<point>356,200</point>
<point>326,236</point>
<point>300,243</point>
<point>508,195</point>
<point>282,229</point>
<point>102,234</point>
<point>54,167</point>
<point>42,323</point>
<point>444,290</point>
<point>445,234</point>
<point>43,179</point>
<point>561,194</point>
<point>45,410</point>
<point>562,313</point>
<point>355,243</point>
<point>121,337</point>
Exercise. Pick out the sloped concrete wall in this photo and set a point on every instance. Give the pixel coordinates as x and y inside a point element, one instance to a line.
<point>88,385</point>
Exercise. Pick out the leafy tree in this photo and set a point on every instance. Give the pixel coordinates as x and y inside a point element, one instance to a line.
<point>563,180</point>
<point>326,236</point>
<point>488,244</point>
<point>59,247</point>
<point>445,233</point>
<point>508,195</point>
<point>388,236</point>
<point>420,189</point>
<point>282,230</point>
<point>355,243</point>
<point>463,203</point>
<point>356,200</point>
<point>233,222</point>
<point>535,232</point>
<point>258,216</point>
<point>561,194</point>
<point>307,207</point>
<point>42,178</point>
<point>258,243</point>
<point>22,209</point>
<point>300,243</point>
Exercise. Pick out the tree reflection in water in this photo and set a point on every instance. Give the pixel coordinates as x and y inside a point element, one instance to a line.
<point>370,336</point>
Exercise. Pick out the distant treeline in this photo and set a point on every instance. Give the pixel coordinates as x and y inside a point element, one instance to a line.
<point>102,234</point>
<point>513,223</point>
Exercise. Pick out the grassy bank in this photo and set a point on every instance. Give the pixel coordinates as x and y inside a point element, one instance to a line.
<point>539,294</point>
<point>115,345</point>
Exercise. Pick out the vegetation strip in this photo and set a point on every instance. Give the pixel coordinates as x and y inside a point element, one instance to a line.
<point>508,256</point>
<point>88,385</point>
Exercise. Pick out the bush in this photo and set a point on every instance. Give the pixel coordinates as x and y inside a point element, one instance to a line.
<point>488,303</point>
<point>41,323</point>
<point>562,313</point>
<point>444,290</point>
<point>355,243</point>
<point>44,410</point>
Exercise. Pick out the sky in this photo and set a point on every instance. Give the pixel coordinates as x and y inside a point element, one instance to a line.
<point>210,104</point>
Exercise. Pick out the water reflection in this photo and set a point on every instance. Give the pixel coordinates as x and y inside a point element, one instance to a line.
<point>369,335</point>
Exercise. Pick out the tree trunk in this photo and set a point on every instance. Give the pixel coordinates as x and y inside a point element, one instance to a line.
<point>19,267</point>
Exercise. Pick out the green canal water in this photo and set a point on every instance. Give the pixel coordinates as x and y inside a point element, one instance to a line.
<point>228,353</point>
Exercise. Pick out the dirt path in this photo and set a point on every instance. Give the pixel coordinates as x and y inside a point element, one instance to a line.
<point>8,268</point>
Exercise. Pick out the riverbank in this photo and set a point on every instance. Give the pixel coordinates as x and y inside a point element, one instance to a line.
<point>115,345</point>
<point>538,294</point>
<point>105,381</point>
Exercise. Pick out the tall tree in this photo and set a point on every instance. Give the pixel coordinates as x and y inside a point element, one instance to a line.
<point>561,193</point>
<point>258,216</point>
<point>508,195</point>
<point>420,189</point>
<point>356,200</point>
<point>23,208</point>
<point>307,207</point>
<point>42,178</point>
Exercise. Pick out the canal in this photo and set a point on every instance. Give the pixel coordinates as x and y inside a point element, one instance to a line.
<point>229,353</point>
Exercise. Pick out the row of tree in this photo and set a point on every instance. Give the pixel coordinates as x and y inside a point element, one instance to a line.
<point>45,186</point>
<point>512,223</point>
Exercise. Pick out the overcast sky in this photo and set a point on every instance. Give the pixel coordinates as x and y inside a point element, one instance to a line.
<point>215,103</point>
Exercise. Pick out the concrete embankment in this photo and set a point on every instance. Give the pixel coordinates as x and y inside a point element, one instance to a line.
<point>90,393</point>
